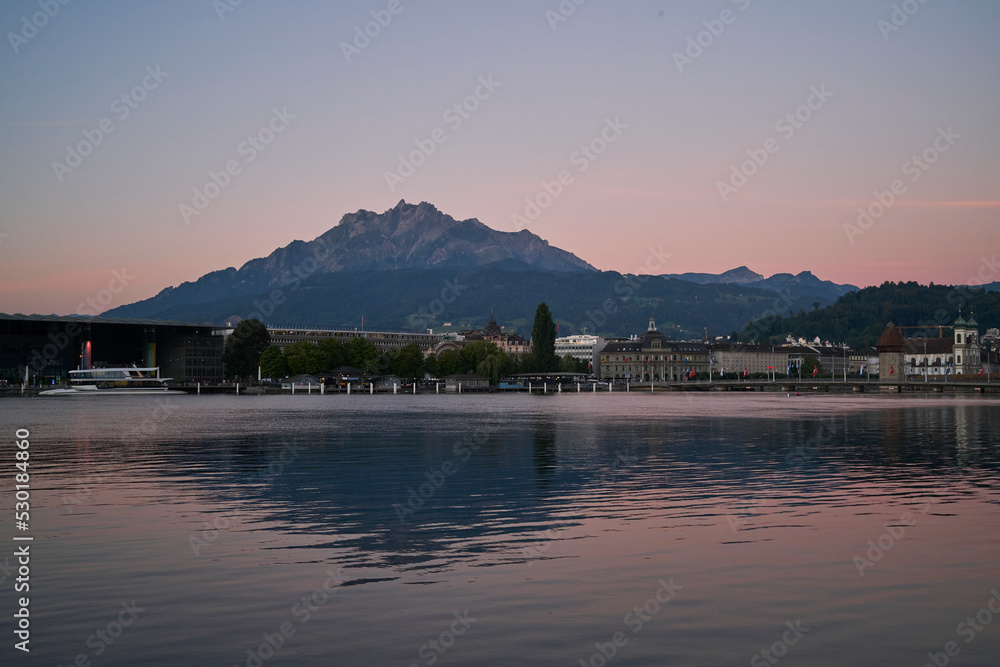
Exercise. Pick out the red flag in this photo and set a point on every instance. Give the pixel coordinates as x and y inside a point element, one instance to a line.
<point>745,372</point>
<point>980,370</point>
<point>892,369</point>
<point>691,374</point>
<point>815,371</point>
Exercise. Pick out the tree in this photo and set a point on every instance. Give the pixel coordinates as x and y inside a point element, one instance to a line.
<point>570,364</point>
<point>492,367</point>
<point>332,353</point>
<point>407,362</point>
<point>476,351</point>
<point>303,357</point>
<point>362,353</point>
<point>244,348</point>
<point>808,364</point>
<point>273,363</point>
<point>449,362</point>
<point>543,340</point>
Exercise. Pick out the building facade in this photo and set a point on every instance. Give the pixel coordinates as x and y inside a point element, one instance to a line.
<point>582,347</point>
<point>384,341</point>
<point>652,357</point>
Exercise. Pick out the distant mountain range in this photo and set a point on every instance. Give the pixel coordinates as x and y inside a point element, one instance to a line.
<point>414,267</point>
<point>804,286</point>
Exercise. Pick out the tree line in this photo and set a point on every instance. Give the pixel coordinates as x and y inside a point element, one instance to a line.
<point>859,318</point>
<point>249,347</point>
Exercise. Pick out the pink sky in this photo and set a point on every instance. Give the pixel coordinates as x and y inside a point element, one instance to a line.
<point>654,182</point>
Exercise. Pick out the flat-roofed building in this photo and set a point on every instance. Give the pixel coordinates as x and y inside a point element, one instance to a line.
<point>582,347</point>
<point>383,340</point>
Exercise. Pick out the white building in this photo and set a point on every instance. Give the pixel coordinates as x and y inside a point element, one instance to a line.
<point>582,347</point>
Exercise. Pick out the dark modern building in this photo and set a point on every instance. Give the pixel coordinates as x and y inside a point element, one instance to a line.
<point>50,346</point>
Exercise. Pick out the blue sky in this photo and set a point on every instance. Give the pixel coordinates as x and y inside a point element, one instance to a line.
<point>660,179</point>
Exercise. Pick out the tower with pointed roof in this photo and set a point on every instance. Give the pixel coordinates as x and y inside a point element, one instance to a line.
<point>967,351</point>
<point>890,354</point>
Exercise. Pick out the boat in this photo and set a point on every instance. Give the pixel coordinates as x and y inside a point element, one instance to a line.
<point>114,381</point>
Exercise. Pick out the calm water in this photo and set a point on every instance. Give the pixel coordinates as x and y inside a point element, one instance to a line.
<point>509,530</point>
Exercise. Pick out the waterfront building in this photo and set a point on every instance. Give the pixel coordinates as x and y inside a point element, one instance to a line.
<point>511,343</point>
<point>654,357</point>
<point>384,341</point>
<point>468,382</point>
<point>50,346</point>
<point>582,347</point>
<point>958,354</point>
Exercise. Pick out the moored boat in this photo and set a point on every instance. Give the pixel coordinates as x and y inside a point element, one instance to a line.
<point>114,381</point>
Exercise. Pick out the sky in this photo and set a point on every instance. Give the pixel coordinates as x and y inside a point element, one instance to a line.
<point>144,144</point>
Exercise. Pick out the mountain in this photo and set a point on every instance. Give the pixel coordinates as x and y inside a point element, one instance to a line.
<point>738,276</point>
<point>406,236</point>
<point>413,267</point>
<point>804,286</point>
<point>603,302</point>
<point>858,318</point>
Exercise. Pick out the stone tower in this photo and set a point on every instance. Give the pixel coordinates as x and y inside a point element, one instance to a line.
<point>890,354</point>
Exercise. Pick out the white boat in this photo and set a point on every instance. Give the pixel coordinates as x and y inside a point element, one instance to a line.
<point>114,381</point>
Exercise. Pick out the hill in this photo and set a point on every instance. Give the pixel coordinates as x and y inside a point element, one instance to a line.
<point>858,318</point>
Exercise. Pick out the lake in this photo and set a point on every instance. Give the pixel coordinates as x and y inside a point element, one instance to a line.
<point>618,529</point>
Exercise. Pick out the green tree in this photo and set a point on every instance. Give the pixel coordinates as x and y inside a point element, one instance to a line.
<point>332,353</point>
<point>808,364</point>
<point>476,351</point>
<point>407,362</point>
<point>543,340</point>
<point>570,364</point>
<point>361,353</point>
<point>450,362</point>
<point>273,363</point>
<point>303,357</point>
<point>244,348</point>
<point>492,367</point>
